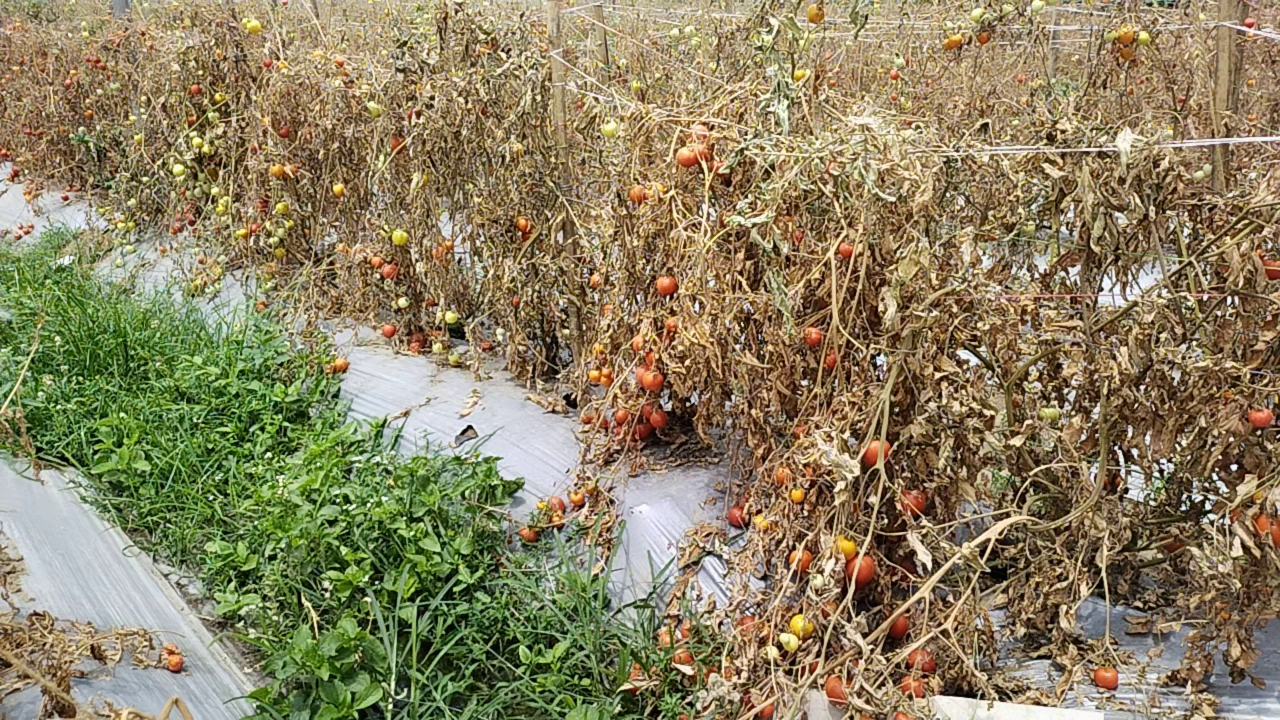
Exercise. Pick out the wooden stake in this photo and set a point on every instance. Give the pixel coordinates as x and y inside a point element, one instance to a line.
<point>559,112</point>
<point>598,32</point>
<point>1052,68</point>
<point>559,109</point>
<point>1224,88</point>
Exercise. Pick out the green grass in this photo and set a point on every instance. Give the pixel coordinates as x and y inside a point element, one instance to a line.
<point>372,585</point>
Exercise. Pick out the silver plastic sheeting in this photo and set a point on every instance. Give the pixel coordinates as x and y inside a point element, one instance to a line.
<point>77,568</point>
<point>438,403</point>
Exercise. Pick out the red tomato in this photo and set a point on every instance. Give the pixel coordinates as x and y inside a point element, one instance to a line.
<point>800,560</point>
<point>922,660</point>
<point>913,687</point>
<point>914,502</point>
<point>861,572</point>
<point>834,688</point>
<point>899,628</point>
<point>1106,678</point>
<point>666,286</point>
<point>875,452</point>
<point>653,381</point>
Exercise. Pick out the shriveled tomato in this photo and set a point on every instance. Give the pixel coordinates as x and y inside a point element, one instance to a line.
<point>1261,418</point>
<point>388,331</point>
<point>175,662</point>
<point>341,365</point>
<point>637,676</point>
<point>557,504</point>
<point>622,416</point>
<point>529,535</point>
<point>376,262</point>
<point>390,271</point>
<point>523,224</point>
<point>638,194</point>
<point>831,360</point>
<point>686,157</point>
<point>682,657</point>
<point>812,337</point>
<point>577,498</point>
<point>637,344</point>
<point>658,419</point>
<point>737,517</point>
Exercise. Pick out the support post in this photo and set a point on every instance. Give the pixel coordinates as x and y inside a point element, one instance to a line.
<point>601,39</point>
<point>564,182</point>
<point>1224,88</point>
<point>559,107</point>
<point>119,9</point>
<point>1052,62</point>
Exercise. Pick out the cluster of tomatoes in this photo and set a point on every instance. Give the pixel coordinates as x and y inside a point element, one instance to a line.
<point>1126,41</point>
<point>22,231</point>
<point>698,152</point>
<point>173,659</point>
<point>552,513</point>
<point>649,378</point>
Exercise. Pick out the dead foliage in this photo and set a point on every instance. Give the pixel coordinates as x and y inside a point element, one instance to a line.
<point>1061,339</point>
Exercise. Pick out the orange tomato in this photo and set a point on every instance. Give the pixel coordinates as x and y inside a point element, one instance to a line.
<point>800,560</point>
<point>666,286</point>
<point>1106,678</point>
<point>876,452</point>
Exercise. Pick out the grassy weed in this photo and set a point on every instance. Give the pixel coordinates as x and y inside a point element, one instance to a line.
<point>373,585</point>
